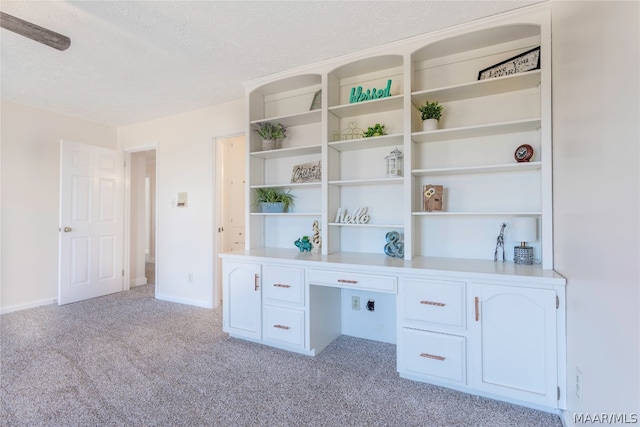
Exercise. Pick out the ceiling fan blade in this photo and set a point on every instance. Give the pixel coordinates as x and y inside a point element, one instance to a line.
<point>34,32</point>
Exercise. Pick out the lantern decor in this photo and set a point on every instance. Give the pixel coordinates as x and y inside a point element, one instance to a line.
<point>523,230</point>
<point>394,164</point>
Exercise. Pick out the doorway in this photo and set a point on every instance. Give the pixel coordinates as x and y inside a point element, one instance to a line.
<point>142,224</point>
<point>230,200</point>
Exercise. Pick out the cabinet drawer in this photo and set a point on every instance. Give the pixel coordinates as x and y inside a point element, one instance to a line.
<point>284,325</point>
<point>432,354</point>
<point>345,279</point>
<point>283,284</point>
<point>433,302</point>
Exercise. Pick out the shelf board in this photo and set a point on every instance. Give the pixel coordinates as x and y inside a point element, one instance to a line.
<point>368,143</point>
<point>520,81</point>
<point>340,224</point>
<point>298,119</point>
<point>507,167</point>
<point>476,131</point>
<point>286,214</point>
<point>494,213</point>
<point>368,107</point>
<point>376,181</point>
<point>287,152</point>
<point>291,185</point>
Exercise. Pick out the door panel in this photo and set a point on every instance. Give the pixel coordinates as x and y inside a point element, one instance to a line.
<point>91,222</point>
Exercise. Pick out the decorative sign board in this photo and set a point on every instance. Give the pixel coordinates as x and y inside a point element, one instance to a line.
<point>432,197</point>
<point>359,216</point>
<point>357,95</point>
<point>527,61</point>
<point>306,172</point>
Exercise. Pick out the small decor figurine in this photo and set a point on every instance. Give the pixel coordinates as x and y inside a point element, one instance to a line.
<point>315,241</point>
<point>303,244</point>
<point>394,247</point>
<point>500,243</point>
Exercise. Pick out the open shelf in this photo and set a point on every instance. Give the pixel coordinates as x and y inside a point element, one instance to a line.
<point>509,167</point>
<point>476,131</point>
<point>287,152</point>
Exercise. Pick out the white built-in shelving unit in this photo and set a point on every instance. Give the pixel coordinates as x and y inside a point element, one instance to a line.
<point>471,154</point>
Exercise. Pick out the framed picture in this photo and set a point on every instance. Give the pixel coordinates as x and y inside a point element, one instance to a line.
<point>316,104</point>
<point>526,61</point>
<point>306,172</point>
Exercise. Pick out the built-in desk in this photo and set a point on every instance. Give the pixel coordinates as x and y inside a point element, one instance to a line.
<point>495,329</point>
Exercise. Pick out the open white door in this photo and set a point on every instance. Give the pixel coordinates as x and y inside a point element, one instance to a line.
<point>91,222</point>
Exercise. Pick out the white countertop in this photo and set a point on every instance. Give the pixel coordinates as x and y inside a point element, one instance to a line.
<point>379,263</point>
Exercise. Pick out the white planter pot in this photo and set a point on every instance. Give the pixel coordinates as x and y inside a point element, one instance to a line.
<point>429,124</point>
<point>270,144</point>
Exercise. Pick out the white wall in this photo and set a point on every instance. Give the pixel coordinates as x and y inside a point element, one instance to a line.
<point>185,163</point>
<point>596,198</point>
<point>30,199</point>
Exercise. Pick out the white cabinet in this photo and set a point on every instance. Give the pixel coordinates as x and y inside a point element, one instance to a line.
<point>432,330</point>
<point>492,329</point>
<point>284,306</point>
<point>242,300</point>
<point>514,342</point>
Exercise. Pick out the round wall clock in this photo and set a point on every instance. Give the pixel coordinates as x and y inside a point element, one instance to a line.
<point>523,153</point>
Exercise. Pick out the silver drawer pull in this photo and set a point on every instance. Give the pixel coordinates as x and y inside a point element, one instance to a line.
<point>432,356</point>
<point>347,281</point>
<point>437,304</point>
<point>282,327</point>
<point>281,285</point>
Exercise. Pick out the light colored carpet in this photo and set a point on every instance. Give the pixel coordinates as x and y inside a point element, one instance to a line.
<point>130,360</point>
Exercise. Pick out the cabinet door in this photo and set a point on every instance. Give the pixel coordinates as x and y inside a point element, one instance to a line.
<point>242,299</point>
<point>514,342</point>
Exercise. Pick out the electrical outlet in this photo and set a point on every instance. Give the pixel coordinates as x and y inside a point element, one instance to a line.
<point>371,305</point>
<point>355,303</point>
<point>579,384</point>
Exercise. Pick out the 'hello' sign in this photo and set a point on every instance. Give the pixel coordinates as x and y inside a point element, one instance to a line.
<point>357,95</point>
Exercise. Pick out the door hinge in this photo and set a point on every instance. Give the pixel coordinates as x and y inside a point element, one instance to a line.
<point>558,393</point>
<point>123,272</point>
<point>557,302</point>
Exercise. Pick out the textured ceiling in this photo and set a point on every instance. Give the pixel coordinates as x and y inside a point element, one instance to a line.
<point>132,61</point>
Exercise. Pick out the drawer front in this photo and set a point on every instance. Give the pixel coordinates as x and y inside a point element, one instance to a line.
<point>283,284</point>
<point>345,279</point>
<point>284,325</point>
<point>433,302</point>
<point>432,354</point>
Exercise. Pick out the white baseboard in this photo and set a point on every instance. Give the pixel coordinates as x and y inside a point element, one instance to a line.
<point>567,419</point>
<point>137,282</point>
<point>196,303</point>
<point>25,306</point>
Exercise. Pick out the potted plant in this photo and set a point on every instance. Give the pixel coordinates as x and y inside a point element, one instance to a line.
<point>376,130</point>
<point>273,200</point>
<point>272,134</point>
<point>430,113</point>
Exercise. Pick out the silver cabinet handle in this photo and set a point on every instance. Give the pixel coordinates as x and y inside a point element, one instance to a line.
<point>67,229</point>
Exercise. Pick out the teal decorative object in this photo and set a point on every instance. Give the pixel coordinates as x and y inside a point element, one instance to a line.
<point>394,247</point>
<point>304,244</point>
<point>357,95</point>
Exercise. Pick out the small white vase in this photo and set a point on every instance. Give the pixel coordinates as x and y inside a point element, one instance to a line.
<point>429,124</point>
